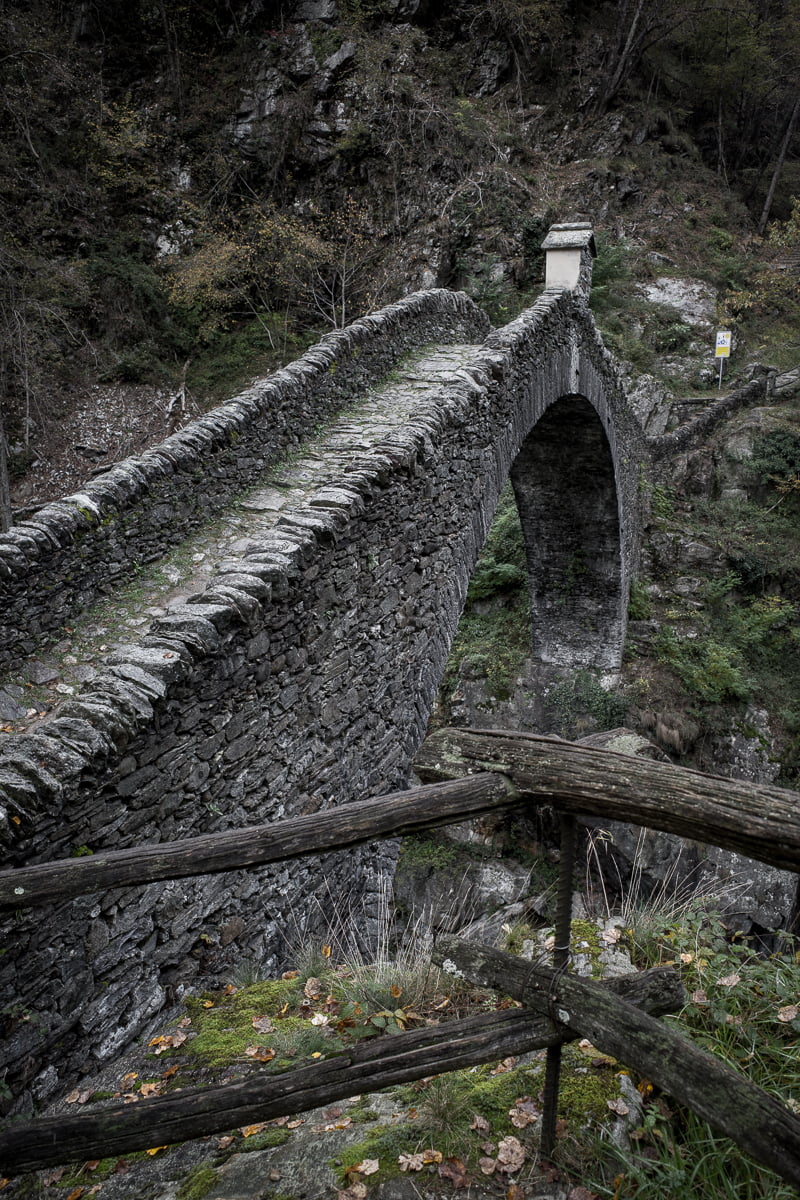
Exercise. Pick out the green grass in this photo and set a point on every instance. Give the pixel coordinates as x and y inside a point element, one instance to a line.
<point>743,1009</point>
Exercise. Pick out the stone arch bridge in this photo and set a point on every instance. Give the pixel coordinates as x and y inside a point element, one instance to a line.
<point>303,673</point>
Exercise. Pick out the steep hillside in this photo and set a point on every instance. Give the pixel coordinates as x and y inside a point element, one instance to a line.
<point>191,192</point>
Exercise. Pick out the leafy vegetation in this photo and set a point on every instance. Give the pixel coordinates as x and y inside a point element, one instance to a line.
<point>580,696</point>
<point>743,1008</point>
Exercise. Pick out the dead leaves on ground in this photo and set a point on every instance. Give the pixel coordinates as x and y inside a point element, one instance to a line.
<point>511,1155</point>
<point>419,1159</point>
<point>525,1112</point>
<point>168,1041</point>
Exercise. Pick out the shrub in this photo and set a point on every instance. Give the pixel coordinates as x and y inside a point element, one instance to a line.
<point>583,694</point>
<point>706,668</point>
<point>776,457</point>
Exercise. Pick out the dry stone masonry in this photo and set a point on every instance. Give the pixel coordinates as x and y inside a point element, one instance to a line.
<point>304,675</point>
<point>58,562</point>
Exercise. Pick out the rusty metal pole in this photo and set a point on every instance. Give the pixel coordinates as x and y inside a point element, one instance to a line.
<point>566,875</point>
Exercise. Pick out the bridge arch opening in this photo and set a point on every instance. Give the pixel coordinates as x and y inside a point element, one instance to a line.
<point>564,482</point>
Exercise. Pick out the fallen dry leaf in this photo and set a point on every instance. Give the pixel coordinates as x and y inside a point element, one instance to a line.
<point>454,1170</point>
<point>367,1166</point>
<point>169,1041</point>
<point>582,1193</point>
<point>290,974</point>
<point>788,1013</point>
<point>431,1156</point>
<point>618,1106</point>
<point>312,988</point>
<point>507,1064</point>
<point>224,1142</point>
<point>260,1053</point>
<point>356,1191</point>
<point>331,1125</point>
<point>155,1150</point>
<point>262,1025</point>
<point>480,1123</point>
<point>54,1176</point>
<point>76,1096</point>
<point>151,1089</point>
<point>729,980</point>
<point>410,1162</point>
<point>170,1071</point>
<point>515,1192</point>
<point>487,1165</point>
<point>525,1112</point>
<point>249,1130</point>
<point>295,1124</point>
<point>75,1194</point>
<point>128,1079</point>
<point>699,997</point>
<point>510,1154</point>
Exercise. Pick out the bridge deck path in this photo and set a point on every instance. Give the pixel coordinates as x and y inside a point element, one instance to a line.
<point>344,447</point>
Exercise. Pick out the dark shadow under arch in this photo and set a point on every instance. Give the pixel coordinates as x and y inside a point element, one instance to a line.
<point>564,481</point>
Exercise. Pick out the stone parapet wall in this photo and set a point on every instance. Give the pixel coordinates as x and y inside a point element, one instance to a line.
<point>665,447</point>
<point>58,562</point>
<point>302,678</point>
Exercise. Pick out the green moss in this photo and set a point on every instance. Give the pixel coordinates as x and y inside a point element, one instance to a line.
<point>197,1184</point>
<point>427,854</point>
<point>268,1139</point>
<point>363,1116</point>
<point>384,1142</point>
<point>583,1093</point>
<point>640,606</point>
<point>225,1030</point>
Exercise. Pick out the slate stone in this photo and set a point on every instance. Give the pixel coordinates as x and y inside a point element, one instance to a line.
<point>10,710</point>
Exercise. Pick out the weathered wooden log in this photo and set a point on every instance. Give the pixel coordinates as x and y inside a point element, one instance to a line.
<point>756,1121</point>
<point>349,825</point>
<point>378,1063</point>
<point>759,821</point>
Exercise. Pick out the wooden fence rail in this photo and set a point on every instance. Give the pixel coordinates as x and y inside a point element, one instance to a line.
<point>732,1105</point>
<point>394,815</point>
<point>484,771</point>
<point>761,822</point>
<point>381,1062</point>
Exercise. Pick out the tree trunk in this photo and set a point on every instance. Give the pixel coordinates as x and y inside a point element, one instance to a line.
<point>5,483</point>
<point>776,174</point>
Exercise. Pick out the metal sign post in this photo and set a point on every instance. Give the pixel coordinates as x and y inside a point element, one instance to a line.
<point>723,351</point>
